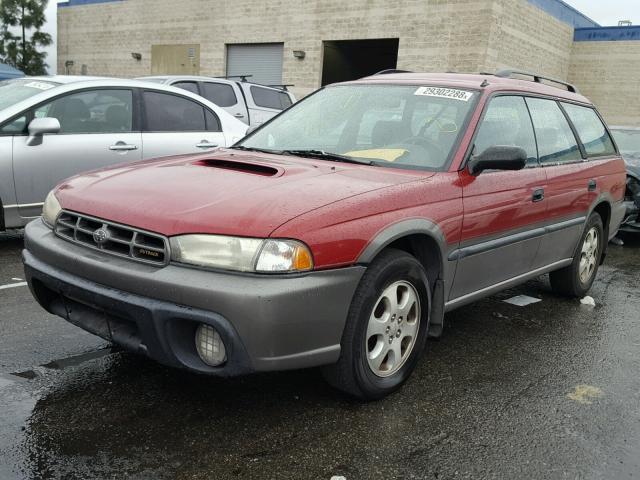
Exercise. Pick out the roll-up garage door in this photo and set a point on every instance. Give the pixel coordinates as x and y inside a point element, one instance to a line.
<point>261,60</point>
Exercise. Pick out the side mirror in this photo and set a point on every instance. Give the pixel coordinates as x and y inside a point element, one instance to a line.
<point>498,157</point>
<point>39,126</point>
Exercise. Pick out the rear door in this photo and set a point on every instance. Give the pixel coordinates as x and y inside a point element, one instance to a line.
<point>227,96</point>
<point>503,210</point>
<point>264,103</point>
<point>98,128</point>
<point>574,182</point>
<point>173,124</point>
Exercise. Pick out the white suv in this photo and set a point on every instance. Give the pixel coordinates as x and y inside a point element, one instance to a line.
<point>249,102</point>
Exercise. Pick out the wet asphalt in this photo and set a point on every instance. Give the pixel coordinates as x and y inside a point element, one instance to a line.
<point>549,390</point>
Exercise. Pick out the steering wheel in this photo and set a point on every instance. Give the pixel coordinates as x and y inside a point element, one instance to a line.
<point>425,143</point>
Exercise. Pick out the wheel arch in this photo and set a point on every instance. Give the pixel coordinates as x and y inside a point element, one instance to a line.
<point>419,237</point>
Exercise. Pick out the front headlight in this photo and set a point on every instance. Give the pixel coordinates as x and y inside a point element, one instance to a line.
<point>51,209</point>
<point>241,254</point>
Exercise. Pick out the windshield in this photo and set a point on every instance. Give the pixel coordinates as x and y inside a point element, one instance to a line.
<point>391,125</point>
<point>14,91</point>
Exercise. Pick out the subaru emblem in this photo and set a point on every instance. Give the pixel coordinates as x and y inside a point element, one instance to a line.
<point>101,236</point>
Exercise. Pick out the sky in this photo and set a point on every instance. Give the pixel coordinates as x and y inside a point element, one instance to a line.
<point>608,12</point>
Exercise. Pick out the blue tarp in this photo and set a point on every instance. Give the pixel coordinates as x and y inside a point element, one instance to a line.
<point>7,71</point>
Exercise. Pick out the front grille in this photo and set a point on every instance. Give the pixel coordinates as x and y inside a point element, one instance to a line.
<point>113,238</point>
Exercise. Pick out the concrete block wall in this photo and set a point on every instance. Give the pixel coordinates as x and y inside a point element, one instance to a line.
<point>608,73</point>
<point>527,38</point>
<point>435,35</point>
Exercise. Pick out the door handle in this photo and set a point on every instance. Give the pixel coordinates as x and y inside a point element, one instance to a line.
<point>592,185</point>
<point>538,195</point>
<point>238,115</point>
<point>122,147</point>
<point>206,144</point>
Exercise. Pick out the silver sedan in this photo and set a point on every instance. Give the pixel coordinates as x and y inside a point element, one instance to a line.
<point>54,127</point>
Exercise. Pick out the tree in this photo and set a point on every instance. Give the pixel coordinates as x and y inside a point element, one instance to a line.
<point>20,35</point>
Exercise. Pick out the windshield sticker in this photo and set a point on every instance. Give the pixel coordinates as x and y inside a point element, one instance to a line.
<point>39,85</point>
<point>444,93</point>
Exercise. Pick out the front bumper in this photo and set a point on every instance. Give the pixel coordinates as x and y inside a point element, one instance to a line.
<point>267,322</point>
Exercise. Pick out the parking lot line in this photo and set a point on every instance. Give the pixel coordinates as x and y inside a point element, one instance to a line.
<point>13,285</point>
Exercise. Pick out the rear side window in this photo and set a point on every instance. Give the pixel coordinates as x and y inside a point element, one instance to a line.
<point>219,93</point>
<point>188,86</point>
<point>556,141</point>
<point>507,123</point>
<point>591,130</point>
<point>172,113</point>
<point>268,98</point>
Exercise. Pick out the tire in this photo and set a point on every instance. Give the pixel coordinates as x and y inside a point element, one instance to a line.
<point>374,328</point>
<point>573,281</point>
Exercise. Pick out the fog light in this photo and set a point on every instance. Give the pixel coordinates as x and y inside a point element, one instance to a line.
<point>210,346</point>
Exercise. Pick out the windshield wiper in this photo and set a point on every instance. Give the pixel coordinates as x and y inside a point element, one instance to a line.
<point>321,154</point>
<point>255,149</point>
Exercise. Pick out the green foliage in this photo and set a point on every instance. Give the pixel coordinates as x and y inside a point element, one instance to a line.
<point>20,35</point>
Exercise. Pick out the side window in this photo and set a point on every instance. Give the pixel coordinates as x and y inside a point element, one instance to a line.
<point>268,98</point>
<point>188,86</point>
<point>16,126</point>
<point>507,123</point>
<point>556,142</point>
<point>591,130</point>
<point>213,122</point>
<point>172,113</point>
<point>91,111</point>
<point>219,93</point>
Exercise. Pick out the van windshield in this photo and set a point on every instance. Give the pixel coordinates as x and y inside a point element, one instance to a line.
<point>388,125</point>
<point>14,91</point>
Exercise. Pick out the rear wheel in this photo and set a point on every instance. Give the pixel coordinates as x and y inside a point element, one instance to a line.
<point>386,328</point>
<point>576,279</point>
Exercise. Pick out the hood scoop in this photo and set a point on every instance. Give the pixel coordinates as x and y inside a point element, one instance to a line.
<point>244,167</point>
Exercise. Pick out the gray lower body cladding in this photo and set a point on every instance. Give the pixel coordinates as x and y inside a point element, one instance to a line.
<point>267,322</point>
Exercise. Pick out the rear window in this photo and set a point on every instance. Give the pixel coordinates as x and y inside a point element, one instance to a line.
<point>591,130</point>
<point>556,141</point>
<point>219,93</point>
<point>268,98</point>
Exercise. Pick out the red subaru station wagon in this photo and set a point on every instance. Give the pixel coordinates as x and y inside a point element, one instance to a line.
<point>340,232</point>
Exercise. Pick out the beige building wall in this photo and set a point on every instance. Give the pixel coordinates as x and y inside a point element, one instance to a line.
<point>608,73</point>
<point>435,35</point>
<point>525,37</point>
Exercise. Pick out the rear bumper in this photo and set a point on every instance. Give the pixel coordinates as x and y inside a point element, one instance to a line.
<point>267,322</point>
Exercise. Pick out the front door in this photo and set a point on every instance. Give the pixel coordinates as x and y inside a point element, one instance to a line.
<point>97,130</point>
<point>503,210</point>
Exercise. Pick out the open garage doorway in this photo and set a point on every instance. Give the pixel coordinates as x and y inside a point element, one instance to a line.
<point>351,59</point>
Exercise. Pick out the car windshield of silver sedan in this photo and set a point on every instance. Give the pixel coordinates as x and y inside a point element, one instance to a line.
<point>390,125</point>
<point>14,91</point>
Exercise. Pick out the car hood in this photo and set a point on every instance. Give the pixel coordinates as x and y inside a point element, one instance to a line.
<point>225,192</point>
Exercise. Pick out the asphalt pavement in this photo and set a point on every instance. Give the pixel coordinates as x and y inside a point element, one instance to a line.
<point>547,390</point>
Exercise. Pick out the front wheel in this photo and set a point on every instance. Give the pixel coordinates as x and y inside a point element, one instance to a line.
<point>576,279</point>
<point>386,328</point>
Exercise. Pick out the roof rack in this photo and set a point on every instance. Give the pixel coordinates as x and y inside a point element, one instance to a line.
<point>282,86</point>
<point>391,70</point>
<point>508,73</point>
<point>243,78</point>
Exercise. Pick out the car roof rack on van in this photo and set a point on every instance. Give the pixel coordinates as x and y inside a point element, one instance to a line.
<point>243,78</point>
<point>282,86</point>
<point>391,70</point>
<point>509,73</point>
